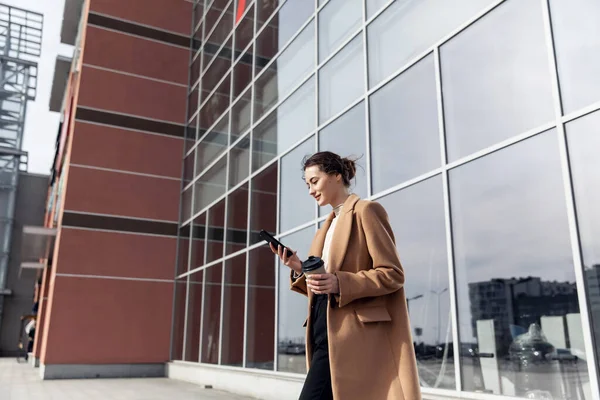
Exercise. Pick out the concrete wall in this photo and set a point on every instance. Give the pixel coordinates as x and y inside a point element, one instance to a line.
<point>31,200</point>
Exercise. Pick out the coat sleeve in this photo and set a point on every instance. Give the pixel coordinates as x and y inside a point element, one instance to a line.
<point>387,275</point>
<point>298,284</point>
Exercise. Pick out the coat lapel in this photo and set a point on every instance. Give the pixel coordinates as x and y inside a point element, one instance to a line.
<point>341,236</point>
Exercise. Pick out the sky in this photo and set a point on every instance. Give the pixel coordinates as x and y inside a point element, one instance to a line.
<point>41,125</point>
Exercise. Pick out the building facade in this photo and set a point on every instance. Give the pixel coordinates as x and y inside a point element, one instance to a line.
<point>475,123</point>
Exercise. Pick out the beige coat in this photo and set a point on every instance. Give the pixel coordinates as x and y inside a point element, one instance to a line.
<point>370,344</point>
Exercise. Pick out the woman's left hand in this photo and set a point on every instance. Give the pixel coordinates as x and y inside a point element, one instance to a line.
<point>323,284</point>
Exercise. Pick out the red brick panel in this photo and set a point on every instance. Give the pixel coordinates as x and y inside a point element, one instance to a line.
<point>110,147</point>
<point>115,193</point>
<point>172,15</point>
<point>109,321</point>
<point>128,94</point>
<point>116,254</point>
<point>135,55</point>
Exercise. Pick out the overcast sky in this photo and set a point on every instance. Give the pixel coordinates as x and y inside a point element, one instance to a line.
<point>41,125</point>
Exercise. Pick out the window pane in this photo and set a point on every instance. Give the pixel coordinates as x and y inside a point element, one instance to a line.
<point>237,220</point>
<point>375,5</point>
<point>239,162</point>
<point>417,217</point>
<point>217,70</point>
<point>212,145</point>
<point>266,8</point>
<point>199,231</point>
<point>214,238</point>
<point>260,340</point>
<point>240,115</point>
<point>341,80</point>
<point>263,212</point>
<point>214,13</point>
<point>216,105</point>
<point>405,141</point>
<point>337,21</point>
<point>222,29</point>
<point>584,143</point>
<point>297,207</point>
<point>292,309</point>
<point>211,315</point>
<point>283,26</point>
<point>194,314</point>
<point>515,278</point>
<point>242,73</point>
<point>210,186</point>
<point>188,168</point>
<point>195,70</point>
<point>179,318</point>
<point>190,134</point>
<point>346,136</point>
<point>496,79</point>
<point>294,64</point>
<point>245,30</point>
<point>184,243</point>
<point>234,300</point>
<point>576,29</point>
<point>286,125</point>
<point>408,28</point>
<point>186,204</point>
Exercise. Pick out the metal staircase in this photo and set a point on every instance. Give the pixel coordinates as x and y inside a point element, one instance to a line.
<point>20,48</point>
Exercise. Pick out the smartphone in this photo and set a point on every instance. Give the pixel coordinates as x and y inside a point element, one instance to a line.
<point>266,236</point>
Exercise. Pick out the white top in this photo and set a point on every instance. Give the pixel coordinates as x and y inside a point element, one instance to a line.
<point>328,238</point>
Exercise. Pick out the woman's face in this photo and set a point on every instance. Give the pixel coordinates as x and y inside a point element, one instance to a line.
<point>324,188</point>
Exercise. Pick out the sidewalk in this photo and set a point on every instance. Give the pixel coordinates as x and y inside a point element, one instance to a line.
<point>22,382</point>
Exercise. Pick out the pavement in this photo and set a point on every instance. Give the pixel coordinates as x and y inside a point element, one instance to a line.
<point>22,382</point>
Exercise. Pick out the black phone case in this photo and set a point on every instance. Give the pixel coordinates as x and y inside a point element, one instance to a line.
<point>267,237</point>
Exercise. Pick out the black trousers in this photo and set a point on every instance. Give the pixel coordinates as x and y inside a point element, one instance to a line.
<point>317,385</point>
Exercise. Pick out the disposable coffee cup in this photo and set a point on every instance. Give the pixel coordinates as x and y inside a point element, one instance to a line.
<point>313,265</point>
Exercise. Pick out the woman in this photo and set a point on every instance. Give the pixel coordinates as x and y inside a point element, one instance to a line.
<point>359,344</point>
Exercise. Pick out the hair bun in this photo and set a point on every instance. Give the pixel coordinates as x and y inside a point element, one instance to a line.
<point>349,168</point>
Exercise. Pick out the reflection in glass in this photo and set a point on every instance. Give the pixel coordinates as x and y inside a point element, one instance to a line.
<point>297,207</point>
<point>217,70</point>
<point>408,28</point>
<point>212,145</point>
<point>416,214</point>
<point>237,220</point>
<point>375,5</point>
<point>292,309</point>
<point>211,315</point>
<point>190,134</point>
<point>337,21</point>
<point>192,104</point>
<point>263,211</point>
<point>211,185</point>
<point>241,115</point>
<point>404,127</point>
<point>214,233</point>
<point>199,232</point>
<point>245,30</point>
<point>188,168</point>
<point>194,314</point>
<point>584,142</point>
<point>495,78</point>
<point>576,34</point>
<point>222,29</point>
<point>239,162</point>
<point>286,72</point>
<point>260,337</point>
<point>347,137</point>
<point>179,319</point>
<point>341,80</point>
<point>234,299</point>
<point>286,125</point>
<point>242,73</point>
<point>215,105</point>
<point>183,247</point>
<point>186,204</point>
<point>213,14</point>
<point>518,312</point>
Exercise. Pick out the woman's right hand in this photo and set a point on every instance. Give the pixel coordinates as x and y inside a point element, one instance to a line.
<point>293,261</point>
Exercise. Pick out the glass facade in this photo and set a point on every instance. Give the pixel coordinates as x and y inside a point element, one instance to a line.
<point>476,125</point>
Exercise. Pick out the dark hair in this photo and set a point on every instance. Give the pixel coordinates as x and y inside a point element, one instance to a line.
<point>332,164</point>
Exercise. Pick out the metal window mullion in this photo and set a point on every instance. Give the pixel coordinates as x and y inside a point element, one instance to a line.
<point>367,102</point>
<point>448,220</point>
<point>277,272</point>
<point>587,326</point>
<point>317,88</point>
<point>204,257</point>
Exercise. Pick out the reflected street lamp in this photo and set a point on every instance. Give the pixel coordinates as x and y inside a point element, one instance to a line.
<point>438,311</point>
<point>412,298</point>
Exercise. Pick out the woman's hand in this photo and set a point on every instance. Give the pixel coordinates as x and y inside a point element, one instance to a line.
<point>323,284</point>
<point>293,261</point>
